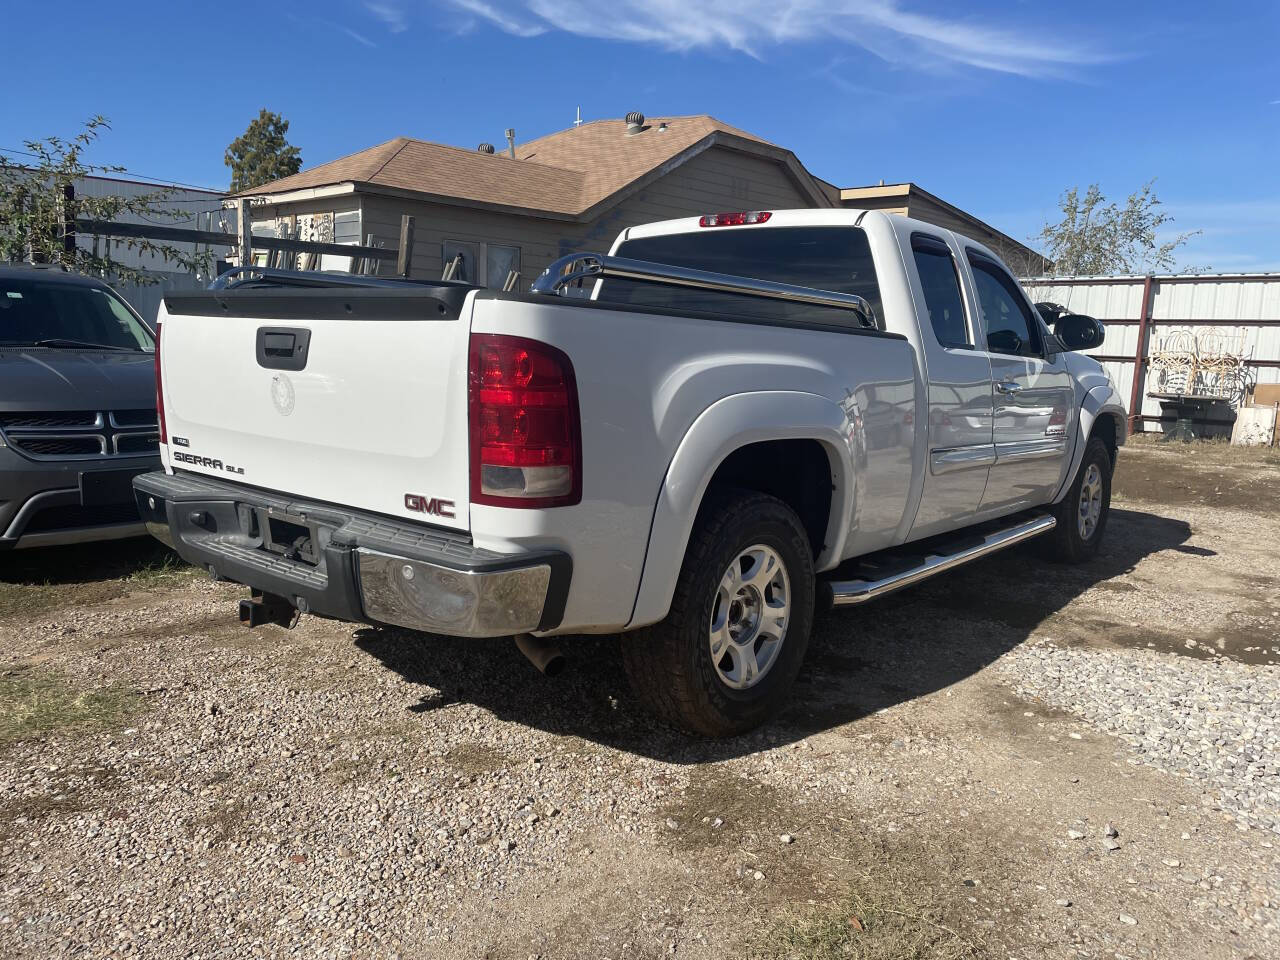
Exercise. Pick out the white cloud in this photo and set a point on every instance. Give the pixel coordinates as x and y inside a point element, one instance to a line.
<point>496,14</point>
<point>390,14</point>
<point>358,37</point>
<point>882,27</point>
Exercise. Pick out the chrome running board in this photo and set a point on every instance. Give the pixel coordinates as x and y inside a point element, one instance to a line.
<point>848,592</point>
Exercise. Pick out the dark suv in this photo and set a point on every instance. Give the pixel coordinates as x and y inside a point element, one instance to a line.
<point>77,409</point>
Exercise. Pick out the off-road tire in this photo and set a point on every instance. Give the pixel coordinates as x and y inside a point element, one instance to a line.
<point>669,663</point>
<point>1066,544</point>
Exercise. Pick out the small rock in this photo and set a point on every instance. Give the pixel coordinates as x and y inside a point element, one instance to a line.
<point>1170,862</point>
<point>1063,902</point>
<point>212,709</point>
<point>758,875</point>
<point>1110,831</point>
<point>1075,834</point>
<point>1075,736</point>
<point>672,824</point>
<point>787,838</point>
<point>1111,844</point>
<point>1126,919</point>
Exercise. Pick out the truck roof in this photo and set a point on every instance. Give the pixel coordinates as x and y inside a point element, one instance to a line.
<point>824,217</point>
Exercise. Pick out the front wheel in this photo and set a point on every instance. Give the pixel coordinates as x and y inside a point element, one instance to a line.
<point>1082,514</point>
<point>724,659</point>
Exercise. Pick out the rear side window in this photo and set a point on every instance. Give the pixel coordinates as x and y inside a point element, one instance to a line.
<point>941,286</point>
<point>827,258</point>
<point>1008,321</point>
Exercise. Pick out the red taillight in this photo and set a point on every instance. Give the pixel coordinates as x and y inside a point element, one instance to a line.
<point>164,436</point>
<point>734,219</point>
<point>526,438</point>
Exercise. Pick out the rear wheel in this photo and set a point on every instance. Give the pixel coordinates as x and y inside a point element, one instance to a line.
<point>725,657</point>
<point>1082,514</point>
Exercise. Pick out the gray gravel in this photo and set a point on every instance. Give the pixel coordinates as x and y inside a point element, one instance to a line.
<point>1214,722</point>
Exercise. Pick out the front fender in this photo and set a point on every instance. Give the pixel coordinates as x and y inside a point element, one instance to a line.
<point>1102,401</point>
<point>728,425</point>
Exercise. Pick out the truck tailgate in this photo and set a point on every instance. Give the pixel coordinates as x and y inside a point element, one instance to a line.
<point>354,397</point>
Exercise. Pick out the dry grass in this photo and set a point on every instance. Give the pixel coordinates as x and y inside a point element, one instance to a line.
<point>1219,451</point>
<point>886,925</point>
<point>36,581</point>
<point>36,702</point>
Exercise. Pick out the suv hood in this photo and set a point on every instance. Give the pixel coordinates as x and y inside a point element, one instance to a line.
<point>47,379</point>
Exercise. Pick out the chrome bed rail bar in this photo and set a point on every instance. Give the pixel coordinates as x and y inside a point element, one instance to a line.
<point>580,266</point>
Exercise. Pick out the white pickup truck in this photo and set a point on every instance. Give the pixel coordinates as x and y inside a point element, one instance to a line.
<point>696,441</point>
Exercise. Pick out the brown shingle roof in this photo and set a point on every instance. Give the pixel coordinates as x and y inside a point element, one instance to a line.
<point>564,173</point>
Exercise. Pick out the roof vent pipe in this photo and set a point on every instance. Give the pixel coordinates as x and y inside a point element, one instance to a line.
<point>511,142</point>
<point>485,148</point>
<point>635,122</point>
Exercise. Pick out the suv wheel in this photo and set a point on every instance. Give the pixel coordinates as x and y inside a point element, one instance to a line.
<point>724,659</point>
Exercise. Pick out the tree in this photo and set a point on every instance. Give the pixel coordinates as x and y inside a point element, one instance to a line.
<point>39,205</point>
<point>262,154</point>
<point>1096,237</point>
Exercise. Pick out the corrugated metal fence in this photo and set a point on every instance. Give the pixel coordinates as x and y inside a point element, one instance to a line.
<point>1141,311</point>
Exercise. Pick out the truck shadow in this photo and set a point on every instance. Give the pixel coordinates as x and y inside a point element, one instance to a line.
<point>860,660</point>
<point>86,562</point>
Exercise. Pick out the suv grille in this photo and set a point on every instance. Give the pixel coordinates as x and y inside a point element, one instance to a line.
<point>79,435</point>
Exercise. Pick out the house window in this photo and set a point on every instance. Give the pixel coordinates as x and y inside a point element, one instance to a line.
<point>485,264</point>
<point>461,261</point>
<point>500,261</point>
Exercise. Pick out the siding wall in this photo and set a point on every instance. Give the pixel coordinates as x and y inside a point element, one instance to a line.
<point>203,211</point>
<point>717,179</point>
<point>1239,305</point>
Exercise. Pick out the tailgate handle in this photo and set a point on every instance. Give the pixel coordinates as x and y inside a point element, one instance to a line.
<point>283,348</point>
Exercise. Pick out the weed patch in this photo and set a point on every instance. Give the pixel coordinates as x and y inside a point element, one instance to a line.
<point>36,703</point>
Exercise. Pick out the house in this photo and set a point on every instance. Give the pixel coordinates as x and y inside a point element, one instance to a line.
<point>909,200</point>
<point>519,209</point>
<point>499,217</point>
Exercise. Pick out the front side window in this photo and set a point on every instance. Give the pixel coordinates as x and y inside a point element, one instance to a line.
<point>826,258</point>
<point>1006,318</point>
<point>65,314</point>
<point>940,284</point>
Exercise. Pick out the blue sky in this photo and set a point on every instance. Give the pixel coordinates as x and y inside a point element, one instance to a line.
<point>994,106</point>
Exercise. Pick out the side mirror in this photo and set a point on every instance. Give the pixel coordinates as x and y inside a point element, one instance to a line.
<point>1004,341</point>
<point>1078,332</point>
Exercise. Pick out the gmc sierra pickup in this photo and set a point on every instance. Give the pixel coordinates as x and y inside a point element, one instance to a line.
<point>695,441</point>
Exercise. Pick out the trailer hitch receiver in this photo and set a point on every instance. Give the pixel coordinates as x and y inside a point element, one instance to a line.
<point>268,608</point>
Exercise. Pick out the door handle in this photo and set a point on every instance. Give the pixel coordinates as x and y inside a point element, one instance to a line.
<point>1008,387</point>
<point>283,348</point>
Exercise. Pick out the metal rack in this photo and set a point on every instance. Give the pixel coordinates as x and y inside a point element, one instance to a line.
<point>597,266</point>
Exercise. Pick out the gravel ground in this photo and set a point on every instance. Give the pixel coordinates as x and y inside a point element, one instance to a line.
<point>1214,722</point>
<point>171,786</point>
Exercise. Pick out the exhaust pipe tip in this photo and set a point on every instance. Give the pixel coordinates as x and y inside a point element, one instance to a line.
<point>542,653</point>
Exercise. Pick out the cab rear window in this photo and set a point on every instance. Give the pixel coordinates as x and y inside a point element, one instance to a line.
<point>826,258</point>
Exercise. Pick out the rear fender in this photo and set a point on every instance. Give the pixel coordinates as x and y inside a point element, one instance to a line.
<point>726,426</point>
